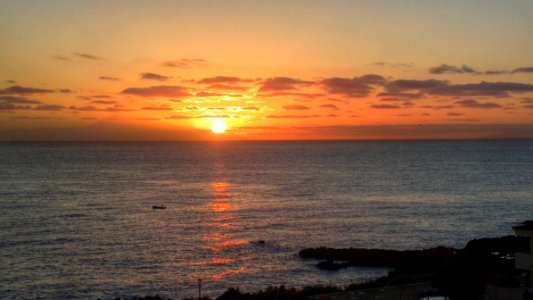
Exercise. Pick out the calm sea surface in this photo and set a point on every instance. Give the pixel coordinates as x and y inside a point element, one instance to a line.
<point>76,219</point>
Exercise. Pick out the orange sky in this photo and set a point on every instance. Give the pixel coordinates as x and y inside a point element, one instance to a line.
<point>164,70</point>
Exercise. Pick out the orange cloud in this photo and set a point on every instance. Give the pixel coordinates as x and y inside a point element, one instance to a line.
<point>18,90</point>
<point>183,63</point>
<point>161,91</point>
<point>296,107</point>
<point>282,83</point>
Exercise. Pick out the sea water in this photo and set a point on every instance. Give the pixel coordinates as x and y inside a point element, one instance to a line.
<point>76,219</point>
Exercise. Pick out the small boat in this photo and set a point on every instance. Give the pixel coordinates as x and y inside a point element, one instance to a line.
<point>159,207</point>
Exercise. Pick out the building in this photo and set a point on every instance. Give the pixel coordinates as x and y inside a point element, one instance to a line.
<point>524,261</point>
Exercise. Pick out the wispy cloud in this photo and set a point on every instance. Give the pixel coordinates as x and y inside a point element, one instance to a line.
<point>179,117</point>
<point>296,107</point>
<point>330,106</point>
<point>454,114</point>
<point>17,100</point>
<point>60,57</point>
<point>523,70</point>
<point>20,90</point>
<point>283,83</point>
<point>49,107</point>
<point>471,103</point>
<point>183,63</point>
<point>88,56</point>
<point>444,68</point>
<point>106,102</point>
<point>392,65</point>
<point>154,76</point>
<point>89,108</point>
<point>211,94</point>
<point>223,80</point>
<point>354,87</point>
<point>227,88</point>
<point>110,78</point>
<point>291,116</point>
<point>444,88</point>
<point>158,108</point>
<point>385,106</point>
<point>399,96</point>
<point>158,91</point>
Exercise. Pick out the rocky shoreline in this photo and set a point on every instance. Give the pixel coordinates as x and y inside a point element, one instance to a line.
<point>459,273</point>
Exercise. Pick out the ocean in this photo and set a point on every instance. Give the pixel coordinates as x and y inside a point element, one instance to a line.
<point>76,219</point>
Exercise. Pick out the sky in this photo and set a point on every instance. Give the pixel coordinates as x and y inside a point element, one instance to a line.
<point>270,70</point>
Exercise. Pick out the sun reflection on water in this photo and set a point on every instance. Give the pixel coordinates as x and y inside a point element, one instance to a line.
<point>220,240</point>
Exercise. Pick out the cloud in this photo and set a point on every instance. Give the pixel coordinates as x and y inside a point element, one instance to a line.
<point>282,83</point>
<point>483,89</point>
<point>12,103</point>
<point>385,106</point>
<point>523,70</point>
<point>392,65</point>
<point>85,108</point>
<point>291,116</point>
<point>397,86</point>
<point>36,118</point>
<point>183,63</point>
<point>355,87</point>
<point>49,107</point>
<point>11,81</point>
<point>87,56</point>
<point>160,107</point>
<point>215,116</point>
<point>101,96</point>
<point>115,108</point>
<point>104,102</point>
<point>66,91</point>
<point>471,103</point>
<point>17,100</point>
<point>251,108</point>
<point>444,68</point>
<point>293,94</point>
<point>444,88</point>
<point>109,78</point>
<point>296,107</point>
<point>495,72</point>
<point>331,106</point>
<point>154,76</point>
<point>178,117</point>
<point>10,107</point>
<point>222,87</point>
<point>159,91</point>
<point>399,96</point>
<point>438,107</point>
<point>15,89</point>
<point>210,94</point>
<point>60,57</point>
<point>454,114</point>
<point>223,79</point>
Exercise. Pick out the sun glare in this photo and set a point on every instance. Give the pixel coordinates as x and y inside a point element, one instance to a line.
<point>218,126</point>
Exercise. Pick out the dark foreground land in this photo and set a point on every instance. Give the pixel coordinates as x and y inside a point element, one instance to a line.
<point>458,273</point>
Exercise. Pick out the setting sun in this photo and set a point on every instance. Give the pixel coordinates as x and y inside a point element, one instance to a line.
<point>218,126</point>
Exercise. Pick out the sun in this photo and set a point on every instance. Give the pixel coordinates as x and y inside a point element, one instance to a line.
<point>218,126</point>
